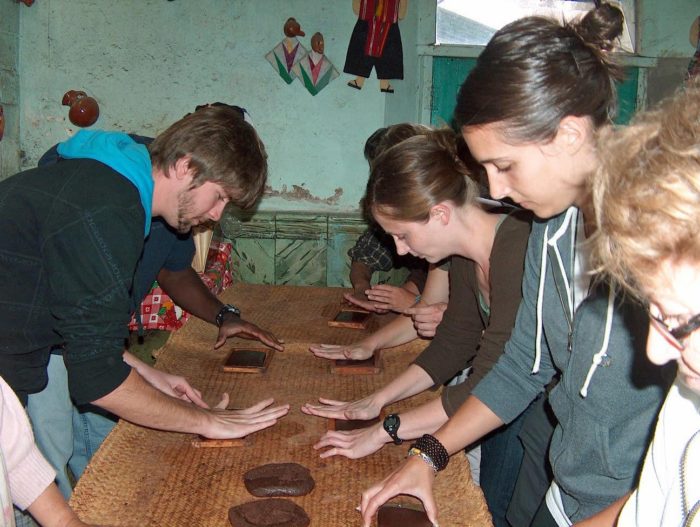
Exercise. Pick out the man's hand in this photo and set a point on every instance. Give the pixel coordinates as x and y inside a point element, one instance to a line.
<point>234,326</point>
<point>174,386</point>
<point>426,319</point>
<point>357,351</point>
<point>231,424</point>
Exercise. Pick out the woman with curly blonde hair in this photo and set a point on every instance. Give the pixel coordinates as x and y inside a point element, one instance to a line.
<point>647,200</point>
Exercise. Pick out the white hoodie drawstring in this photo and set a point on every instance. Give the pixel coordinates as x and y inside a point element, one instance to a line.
<point>540,296</point>
<point>598,357</point>
<point>572,212</point>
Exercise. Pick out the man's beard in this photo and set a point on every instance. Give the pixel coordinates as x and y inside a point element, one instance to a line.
<point>184,207</point>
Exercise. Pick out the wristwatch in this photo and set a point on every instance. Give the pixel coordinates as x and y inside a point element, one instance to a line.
<point>227,308</point>
<point>391,426</point>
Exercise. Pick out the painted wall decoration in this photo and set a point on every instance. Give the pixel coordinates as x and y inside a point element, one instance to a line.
<point>84,110</point>
<point>315,70</point>
<point>375,43</point>
<point>285,55</point>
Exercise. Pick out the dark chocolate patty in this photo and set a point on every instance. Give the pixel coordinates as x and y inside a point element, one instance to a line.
<point>273,512</point>
<point>279,479</point>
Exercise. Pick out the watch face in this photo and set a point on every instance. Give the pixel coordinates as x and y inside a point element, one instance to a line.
<point>391,422</point>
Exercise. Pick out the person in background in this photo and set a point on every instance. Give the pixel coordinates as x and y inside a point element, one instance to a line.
<point>72,235</point>
<point>374,250</point>
<point>422,194</point>
<point>529,111</point>
<point>647,202</point>
<point>166,257</point>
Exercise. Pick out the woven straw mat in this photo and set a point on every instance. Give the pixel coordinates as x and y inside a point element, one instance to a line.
<point>143,477</point>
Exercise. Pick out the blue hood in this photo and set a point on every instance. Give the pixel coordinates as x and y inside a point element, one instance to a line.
<point>121,153</point>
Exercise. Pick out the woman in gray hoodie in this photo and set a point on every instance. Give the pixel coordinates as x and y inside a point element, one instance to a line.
<point>529,112</point>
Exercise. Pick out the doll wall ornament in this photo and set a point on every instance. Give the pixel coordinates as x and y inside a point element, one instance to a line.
<point>285,55</point>
<point>376,42</point>
<point>84,110</point>
<point>315,70</point>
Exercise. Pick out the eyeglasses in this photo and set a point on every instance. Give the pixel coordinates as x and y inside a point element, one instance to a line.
<point>676,336</point>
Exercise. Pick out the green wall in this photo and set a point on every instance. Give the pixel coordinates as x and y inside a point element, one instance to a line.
<point>449,73</point>
<point>148,62</point>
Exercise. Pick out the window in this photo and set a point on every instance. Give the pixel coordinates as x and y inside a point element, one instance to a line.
<point>473,22</point>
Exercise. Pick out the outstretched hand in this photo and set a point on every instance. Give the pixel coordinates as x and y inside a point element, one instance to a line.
<point>357,351</point>
<point>352,444</point>
<point>363,409</point>
<point>228,424</point>
<point>391,297</point>
<point>235,326</point>
<point>173,385</point>
<point>359,299</point>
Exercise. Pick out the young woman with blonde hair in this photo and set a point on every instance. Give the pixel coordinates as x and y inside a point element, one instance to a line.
<point>647,201</point>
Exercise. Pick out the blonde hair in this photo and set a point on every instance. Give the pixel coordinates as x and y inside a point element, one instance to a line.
<point>646,193</point>
<point>409,178</point>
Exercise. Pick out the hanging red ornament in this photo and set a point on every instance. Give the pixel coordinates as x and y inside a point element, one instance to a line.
<point>84,110</point>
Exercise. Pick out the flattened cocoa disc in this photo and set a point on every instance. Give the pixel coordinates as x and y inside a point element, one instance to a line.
<point>273,512</point>
<point>396,516</point>
<point>279,479</point>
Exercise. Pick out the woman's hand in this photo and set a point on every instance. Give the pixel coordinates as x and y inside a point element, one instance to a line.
<point>391,298</point>
<point>414,477</point>
<point>359,351</point>
<point>359,299</point>
<point>353,444</point>
<point>426,319</point>
<point>364,409</point>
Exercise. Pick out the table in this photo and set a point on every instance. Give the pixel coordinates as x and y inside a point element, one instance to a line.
<point>143,477</point>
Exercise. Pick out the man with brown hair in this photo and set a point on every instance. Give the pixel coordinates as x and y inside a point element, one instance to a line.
<point>72,235</point>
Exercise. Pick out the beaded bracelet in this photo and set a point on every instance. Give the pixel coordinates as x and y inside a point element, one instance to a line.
<point>433,449</point>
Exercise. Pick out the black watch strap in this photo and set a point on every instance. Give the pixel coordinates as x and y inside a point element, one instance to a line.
<point>391,426</point>
<point>227,308</point>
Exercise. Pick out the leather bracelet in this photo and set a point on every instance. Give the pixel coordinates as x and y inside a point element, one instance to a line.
<point>434,449</point>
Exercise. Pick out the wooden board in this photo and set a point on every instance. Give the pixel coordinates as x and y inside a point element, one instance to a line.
<point>248,360</point>
<point>350,318</point>
<point>358,367</point>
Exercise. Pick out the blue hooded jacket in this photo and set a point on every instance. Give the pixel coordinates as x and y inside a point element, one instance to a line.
<point>121,153</point>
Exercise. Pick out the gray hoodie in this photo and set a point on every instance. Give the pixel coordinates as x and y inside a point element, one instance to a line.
<point>609,394</point>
